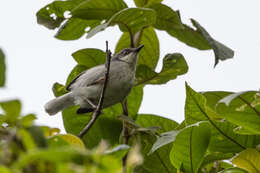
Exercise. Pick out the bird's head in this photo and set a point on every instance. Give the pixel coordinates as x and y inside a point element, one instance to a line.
<point>129,55</point>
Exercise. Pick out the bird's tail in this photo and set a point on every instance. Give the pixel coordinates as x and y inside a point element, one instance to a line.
<point>59,103</point>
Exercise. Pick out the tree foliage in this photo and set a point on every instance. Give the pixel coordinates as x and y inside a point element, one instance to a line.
<point>218,125</point>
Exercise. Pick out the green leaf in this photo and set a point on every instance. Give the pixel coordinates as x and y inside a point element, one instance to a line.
<point>74,73</point>
<point>233,170</point>
<point>166,17</point>
<point>149,55</point>
<point>75,28</point>
<point>12,109</point>
<point>249,160</point>
<point>173,65</point>
<point>164,139</point>
<point>142,3</point>
<point>27,120</point>
<point>242,109</point>
<point>221,51</point>
<point>223,139</point>
<point>133,19</point>
<point>89,57</point>
<point>45,16</point>
<point>98,9</point>
<point>189,147</point>
<point>2,68</point>
<point>216,156</point>
<point>161,155</point>
<point>196,108</point>
<point>190,37</point>
<point>58,89</point>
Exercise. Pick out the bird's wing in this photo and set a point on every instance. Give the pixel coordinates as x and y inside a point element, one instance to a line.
<point>93,76</point>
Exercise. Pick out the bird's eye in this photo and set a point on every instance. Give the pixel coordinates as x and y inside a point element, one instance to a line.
<point>126,52</point>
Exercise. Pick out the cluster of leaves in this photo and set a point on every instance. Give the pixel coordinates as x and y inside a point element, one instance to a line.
<point>217,126</point>
<point>27,148</point>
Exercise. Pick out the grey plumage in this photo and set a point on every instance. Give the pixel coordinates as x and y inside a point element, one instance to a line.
<point>85,89</point>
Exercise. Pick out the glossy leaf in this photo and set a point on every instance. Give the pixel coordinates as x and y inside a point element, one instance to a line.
<point>142,3</point>
<point>242,109</point>
<point>173,65</point>
<point>89,57</point>
<point>133,19</point>
<point>149,55</point>
<point>2,68</point>
<point>233,170</point>
<point>161,155</point>
<point>52,15</point>
<point>190,37</point>
<point>75,28</point>
<point>166,18</point>
<point>221,51</point>
<point>98,9</point>
<point>249,160</point>
<point>213,157</point>
<point>223,138</point>
<point>196,108</point>
<point>164,139</point>
<point>189,147</point>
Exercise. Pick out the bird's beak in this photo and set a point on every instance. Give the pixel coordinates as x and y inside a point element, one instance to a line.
<point>139,48</point>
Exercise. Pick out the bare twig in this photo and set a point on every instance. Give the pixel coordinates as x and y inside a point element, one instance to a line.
<point>97,112</point>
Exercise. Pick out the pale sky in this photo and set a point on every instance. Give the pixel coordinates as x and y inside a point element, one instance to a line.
<point>35,59</point>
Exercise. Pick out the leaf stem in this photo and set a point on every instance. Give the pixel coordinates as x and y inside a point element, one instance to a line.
<point>97,112</point>
<point>125,134</point>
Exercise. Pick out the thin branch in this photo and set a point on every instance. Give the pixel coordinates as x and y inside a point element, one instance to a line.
<point>97,112</point>
<point>125,134</point>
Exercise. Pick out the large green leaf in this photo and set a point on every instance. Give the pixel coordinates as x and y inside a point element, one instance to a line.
<point>2,68</point>
<point>161,155</point>
<point>196,108</point>
<point>190,37</point>
<point>249,160</point>
<point>12,110</point>
<point>242,109</point>
<point>149,55</point>
<point>89,57</point>
<point>189,147</point>
<point>201,39</point>
<point>142,3</point>
<point>52,15</point>
<point>221,51</point>
<point>213,157</point>
<point>75,28</point>
<point>98,9</point>
<point>129,20</point>
<point>166,18</point>
<point>173,65</point>
<point>223,137</point>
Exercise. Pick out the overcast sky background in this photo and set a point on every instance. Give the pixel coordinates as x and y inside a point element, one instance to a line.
<point>35,59</point>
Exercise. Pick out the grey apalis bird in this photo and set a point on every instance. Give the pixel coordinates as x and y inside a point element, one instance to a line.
<point>86,88</point>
